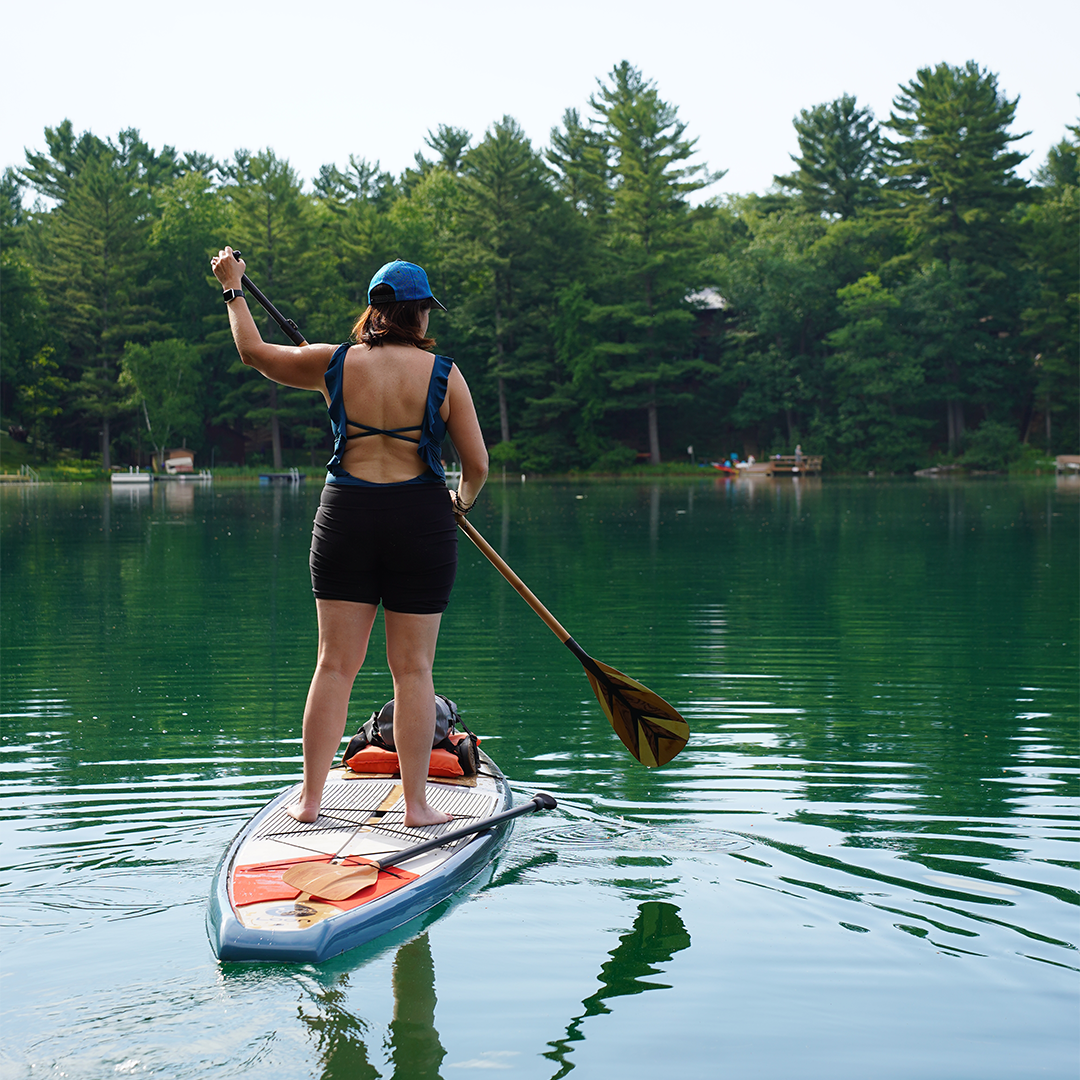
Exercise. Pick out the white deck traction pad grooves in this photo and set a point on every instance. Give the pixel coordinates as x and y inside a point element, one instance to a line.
<point>349,804</point>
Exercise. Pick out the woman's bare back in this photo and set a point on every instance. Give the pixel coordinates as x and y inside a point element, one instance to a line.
<point>386,388</point>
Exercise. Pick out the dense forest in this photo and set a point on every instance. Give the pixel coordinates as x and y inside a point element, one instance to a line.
<point>900,297</point>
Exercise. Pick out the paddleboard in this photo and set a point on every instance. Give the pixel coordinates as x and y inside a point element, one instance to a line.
<point>254,914</point>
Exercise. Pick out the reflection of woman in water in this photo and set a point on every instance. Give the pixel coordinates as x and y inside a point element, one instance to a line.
<point>417,1051</point>
<point>415,1048</point>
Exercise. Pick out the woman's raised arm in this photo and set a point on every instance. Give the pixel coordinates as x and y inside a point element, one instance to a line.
<point>302,366</point>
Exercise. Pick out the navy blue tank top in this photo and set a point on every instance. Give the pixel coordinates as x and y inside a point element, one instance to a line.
<point>431,430</point>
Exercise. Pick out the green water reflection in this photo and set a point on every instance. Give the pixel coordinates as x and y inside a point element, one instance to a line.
<point>875,816</point>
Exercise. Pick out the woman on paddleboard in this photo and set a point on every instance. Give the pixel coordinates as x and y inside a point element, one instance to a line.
<point>385,530</point>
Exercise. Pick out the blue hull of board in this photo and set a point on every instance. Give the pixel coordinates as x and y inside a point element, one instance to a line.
<point>231,940</point>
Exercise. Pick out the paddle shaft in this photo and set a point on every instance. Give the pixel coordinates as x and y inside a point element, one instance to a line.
<point>537,802</point>
<point>525,592</point>
<point>288,327</point>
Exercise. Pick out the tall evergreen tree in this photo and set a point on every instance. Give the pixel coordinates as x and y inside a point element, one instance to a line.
<point>955,188</point>
<point>1051,328</point>
<point>505,194</point>
<point>581,157</point>
<point>653,260</point>
<point>94,259</point>
<point>450,143</point>
<point>839,166</point>
<point>24,325</point>
<point>1062,166</point>
<point>271,222</point>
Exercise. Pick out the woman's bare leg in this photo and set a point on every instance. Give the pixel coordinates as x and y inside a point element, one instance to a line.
<point>410,651</point>
<point>344,630</point>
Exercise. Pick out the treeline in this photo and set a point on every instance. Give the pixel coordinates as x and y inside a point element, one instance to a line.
<point>900,297</point>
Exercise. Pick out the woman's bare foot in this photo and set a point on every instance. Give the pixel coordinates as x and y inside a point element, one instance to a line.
<point>415,817</point>
<point>302,813</point>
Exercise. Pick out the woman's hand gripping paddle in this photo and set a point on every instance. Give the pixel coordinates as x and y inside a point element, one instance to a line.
<point>648,726</point>
<point>332,881</point>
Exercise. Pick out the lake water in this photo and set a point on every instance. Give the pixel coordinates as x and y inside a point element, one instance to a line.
<point>864,864</point>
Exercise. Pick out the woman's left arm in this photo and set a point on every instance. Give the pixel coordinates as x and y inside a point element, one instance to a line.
<point>302,366</point>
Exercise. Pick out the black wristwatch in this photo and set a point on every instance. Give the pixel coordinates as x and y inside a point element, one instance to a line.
<point>231,294</point>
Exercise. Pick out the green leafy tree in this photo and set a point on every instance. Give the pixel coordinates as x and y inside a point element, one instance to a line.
<point>782,302</point>
<point>839,167</point>
<point>24,323</point>
<point>40,395</point>
<point>878,377</point>
<point>190,217</point>
<point>163,381</point>
<point>353,217</point>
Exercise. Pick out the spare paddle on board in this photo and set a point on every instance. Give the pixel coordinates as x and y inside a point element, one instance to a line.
<point>335,881</point>
<point>650,728</point>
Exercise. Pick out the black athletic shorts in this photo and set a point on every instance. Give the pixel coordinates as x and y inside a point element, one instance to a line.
<point>396,545</point>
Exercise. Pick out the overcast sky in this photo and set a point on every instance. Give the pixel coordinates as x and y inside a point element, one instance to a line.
<point>318,81</point>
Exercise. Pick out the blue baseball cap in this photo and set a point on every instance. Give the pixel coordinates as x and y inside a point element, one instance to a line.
<point>405,280</point>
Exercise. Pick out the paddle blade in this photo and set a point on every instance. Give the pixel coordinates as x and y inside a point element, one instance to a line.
<point>330,881</point>
<point>648,726</point>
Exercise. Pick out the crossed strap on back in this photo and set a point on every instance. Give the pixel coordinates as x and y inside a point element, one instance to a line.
<point>394,433</point>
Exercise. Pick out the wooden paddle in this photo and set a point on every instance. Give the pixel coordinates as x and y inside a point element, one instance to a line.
<point>650,728</point>
<point>333,881</point>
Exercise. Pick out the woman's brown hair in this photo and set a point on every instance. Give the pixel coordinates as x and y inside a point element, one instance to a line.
<point>393,324</point>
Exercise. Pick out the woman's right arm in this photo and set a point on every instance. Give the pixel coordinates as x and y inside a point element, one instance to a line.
<point>464,429</point>
<point>302,366</point>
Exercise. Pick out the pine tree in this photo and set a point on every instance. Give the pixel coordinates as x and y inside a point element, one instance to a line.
<point>505,196</point>
<point>271,223</point>
<point>653,261</point>
<point>94,259</point>
<point>954,192</point>
<point>24,324</point>
<point>839,165</point>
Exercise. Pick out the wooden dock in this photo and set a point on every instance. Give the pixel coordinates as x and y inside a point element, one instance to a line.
<point>796,464</point>
<point>783,465</point>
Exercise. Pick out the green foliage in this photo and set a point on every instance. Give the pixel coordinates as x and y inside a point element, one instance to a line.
<point>653,261</point>
<point>40,396</point>
<point>163,380</point>
<point>877,377</point>
<point>1050,323</point>
<point>839,165</point>
<point>952,171</point>
<point>992,447</point>
<point>891,301</point>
